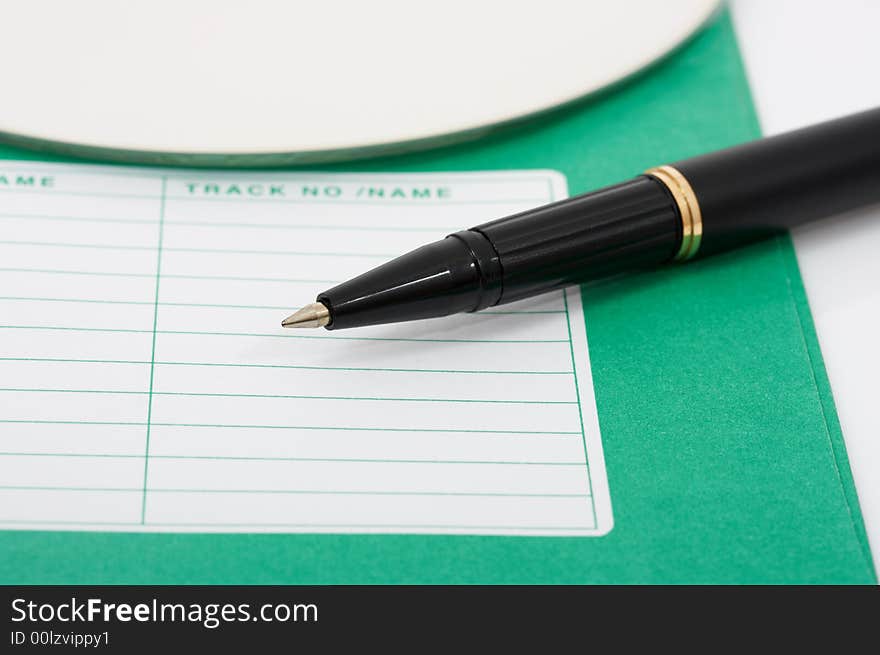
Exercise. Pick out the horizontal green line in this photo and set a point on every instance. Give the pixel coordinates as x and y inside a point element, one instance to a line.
<point>53,192</point>
<point>305,492</point>
<point>73,361</point>
<point>360,429</point>
<point>88,219</point>
<point>60,244</point>
<point>373,200</point>
<point>281,366</point>
<point>99,391</point>
<point>237,278</point>
<point>107,246</point>
<point>52,488</point>
<point>286,427</point>
<point>347,460</point>
<point>150,303</point>
<point>289,397</point>
<point>294,226</point>
<point>48,422</point>
<point>490,312</point>
<point>364,201</point>
<point>67,522</point>
<point>365,369</point>
<point>402,526</point>
<point>236,224</point>
<point>152,276</point>
<point>74,329</point>
<point>276,336</point>
<point>57,271</point>
<point>78,300</point>
<point>294,253</point>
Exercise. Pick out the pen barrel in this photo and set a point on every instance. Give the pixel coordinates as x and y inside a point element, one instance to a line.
<point>764,187</point>
<point>627,226</point>
<point>692,207</point>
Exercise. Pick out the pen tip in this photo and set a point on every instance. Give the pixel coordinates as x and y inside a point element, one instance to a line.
<point>314,315</point>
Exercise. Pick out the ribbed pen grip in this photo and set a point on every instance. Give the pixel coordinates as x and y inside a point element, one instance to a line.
<point>622,227</point>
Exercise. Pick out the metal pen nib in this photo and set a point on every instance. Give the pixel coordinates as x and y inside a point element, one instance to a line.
<point>314,315</point>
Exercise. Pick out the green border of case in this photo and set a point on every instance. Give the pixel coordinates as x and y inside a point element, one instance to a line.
<point>724,453</point>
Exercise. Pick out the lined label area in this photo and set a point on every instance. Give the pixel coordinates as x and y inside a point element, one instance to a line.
<point>145,383</point>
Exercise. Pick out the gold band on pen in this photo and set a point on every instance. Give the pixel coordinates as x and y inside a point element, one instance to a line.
<point>688,207</point>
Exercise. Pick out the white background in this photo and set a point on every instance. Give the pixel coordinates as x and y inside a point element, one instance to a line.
<point>809,61</point>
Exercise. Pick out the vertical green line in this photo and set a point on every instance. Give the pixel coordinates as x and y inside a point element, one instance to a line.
<point>580,407</point>
<point>153,351</point>
<point>577,388</point>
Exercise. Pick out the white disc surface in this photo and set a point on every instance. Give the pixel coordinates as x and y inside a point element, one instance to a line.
<point>310,79</point>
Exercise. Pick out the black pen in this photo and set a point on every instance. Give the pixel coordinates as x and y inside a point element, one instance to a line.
<point>688,209</point>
